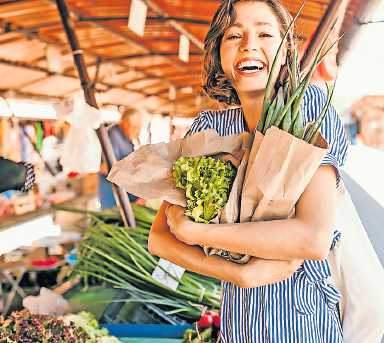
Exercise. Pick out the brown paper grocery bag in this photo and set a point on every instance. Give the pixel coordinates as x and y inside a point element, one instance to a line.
<point>278,174</point>
<point>147,172</point>
<point>231,211</point>
<point>279,168</point>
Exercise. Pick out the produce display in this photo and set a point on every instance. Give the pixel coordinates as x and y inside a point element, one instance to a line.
<point>87,322</point>
<point>206,330</point>
<point>24,327</point>
<point>119,256</point>
<point>207,182</point>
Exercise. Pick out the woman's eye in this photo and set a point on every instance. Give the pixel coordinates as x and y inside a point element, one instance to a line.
<point>266,35</point>
<point>233,36</point>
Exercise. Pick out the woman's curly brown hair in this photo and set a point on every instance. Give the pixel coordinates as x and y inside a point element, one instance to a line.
<point>215,83</point>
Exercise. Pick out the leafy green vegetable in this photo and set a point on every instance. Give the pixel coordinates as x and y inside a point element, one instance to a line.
<point>207,182</point>
<point>87,322</point>
<point>24,327</point>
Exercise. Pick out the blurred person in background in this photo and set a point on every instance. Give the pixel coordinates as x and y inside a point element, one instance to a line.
<point>124,136</point>
<point>16,176</point>
<point>13,177</point>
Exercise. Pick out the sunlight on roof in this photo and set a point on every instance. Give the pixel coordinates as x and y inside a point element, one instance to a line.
<point>29,109</point>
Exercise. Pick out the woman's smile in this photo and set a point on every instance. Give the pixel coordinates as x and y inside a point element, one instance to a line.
<point>250,67</point>
<point>249,46</point>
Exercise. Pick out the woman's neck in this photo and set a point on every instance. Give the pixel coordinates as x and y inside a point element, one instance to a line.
<point>252,105</point>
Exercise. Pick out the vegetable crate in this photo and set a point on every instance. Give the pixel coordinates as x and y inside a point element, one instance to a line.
<point>148,333</point>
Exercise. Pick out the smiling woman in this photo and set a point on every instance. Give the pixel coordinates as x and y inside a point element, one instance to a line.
<point>251,28</point>
<point>282,295</point>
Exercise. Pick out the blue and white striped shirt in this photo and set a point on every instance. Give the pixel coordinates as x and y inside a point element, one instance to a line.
<point>302,308</point>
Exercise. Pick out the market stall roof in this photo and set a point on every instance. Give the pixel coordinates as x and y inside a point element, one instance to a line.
<point>35,58</point>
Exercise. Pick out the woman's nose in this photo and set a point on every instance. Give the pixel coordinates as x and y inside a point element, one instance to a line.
<point>249,44</point>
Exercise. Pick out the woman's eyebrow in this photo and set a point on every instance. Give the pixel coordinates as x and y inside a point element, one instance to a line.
<point>262,23</point>
<point>256,23</point>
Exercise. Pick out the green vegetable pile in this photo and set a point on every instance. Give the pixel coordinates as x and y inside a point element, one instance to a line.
<point>87,322</point>
<point>119,256</point>
<point>24,327</point>
<point>207,182</point>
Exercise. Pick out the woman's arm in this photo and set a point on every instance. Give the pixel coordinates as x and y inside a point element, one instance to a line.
<point>256,273</point>
<point>306,236</point>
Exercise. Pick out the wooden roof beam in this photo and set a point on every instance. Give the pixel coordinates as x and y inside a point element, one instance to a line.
<point>5,2</point>
<point>195,87</point>
<point>177,26</point>
<point>32,96</point>
<point>176,74</point>
<point>161,54</point>
<point>11,27</point>
<point>78,13</point>
<point>51,73</point>
<point>154,18</point>
<point>26,32</point>
<point>32,34</point>
<point>129,40</point>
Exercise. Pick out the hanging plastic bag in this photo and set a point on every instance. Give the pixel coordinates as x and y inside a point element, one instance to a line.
<point>359,276</point>
<point>82,150</point>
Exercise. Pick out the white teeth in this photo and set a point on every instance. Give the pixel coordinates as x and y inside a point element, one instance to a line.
<point>251,64</point>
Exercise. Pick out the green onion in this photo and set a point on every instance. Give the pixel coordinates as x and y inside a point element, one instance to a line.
<point>119,257</point>
<point>268,91</point>
<point>287,114</point>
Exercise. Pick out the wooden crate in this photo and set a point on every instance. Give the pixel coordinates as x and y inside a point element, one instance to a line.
<point>24,204</point>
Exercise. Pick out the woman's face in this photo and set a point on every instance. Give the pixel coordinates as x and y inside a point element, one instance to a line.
<point>249,46</point>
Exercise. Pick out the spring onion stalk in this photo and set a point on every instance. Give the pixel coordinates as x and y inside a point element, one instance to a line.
<point>119,257</point>
<point>312,134</point>
<point>284,110</point>
<point>269,88</point>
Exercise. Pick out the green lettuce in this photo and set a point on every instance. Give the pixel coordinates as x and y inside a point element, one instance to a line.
<point>207,182</point>
<point>87,322</point>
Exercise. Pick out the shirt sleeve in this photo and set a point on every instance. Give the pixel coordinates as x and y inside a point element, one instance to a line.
<point>200,123</point>
<point>332,128</point>
<point>121,145</point>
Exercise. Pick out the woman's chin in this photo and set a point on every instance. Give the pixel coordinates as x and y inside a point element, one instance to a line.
<point>251,89</point>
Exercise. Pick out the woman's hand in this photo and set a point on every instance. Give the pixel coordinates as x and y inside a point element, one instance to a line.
<point>183,228</point>
<point>259,272</point>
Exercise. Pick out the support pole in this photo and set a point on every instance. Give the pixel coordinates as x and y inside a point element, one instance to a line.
<point>327,20</point>
<point>121,196</point>
<point>363,14</point>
